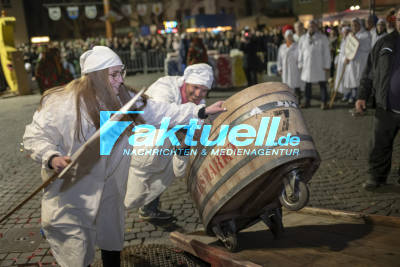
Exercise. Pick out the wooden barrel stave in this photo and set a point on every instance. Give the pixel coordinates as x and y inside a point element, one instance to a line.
<point>248,160</point>
<point>233,116</point>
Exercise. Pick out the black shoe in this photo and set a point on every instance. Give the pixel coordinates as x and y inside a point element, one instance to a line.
<point>371,184</point>
<point>111,258</point>
<point>154,214</point>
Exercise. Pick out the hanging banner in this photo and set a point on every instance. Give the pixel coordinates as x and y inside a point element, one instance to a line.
<point>112,17</point>
<point>73,12</point>
<point>157,8</point>
<point>141,9</point>
<point>55,13</point>
<point>126,10</point>
<point>90,12</point>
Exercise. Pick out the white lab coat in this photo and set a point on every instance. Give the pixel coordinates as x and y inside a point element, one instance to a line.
<point>339,62</point>
<point>356,66</point>
<point>296,37</point>
<point>288,65</point>
<point>150,175</point>
<point>375,37</point>
<point>87,209</point>
<point>314,57</point>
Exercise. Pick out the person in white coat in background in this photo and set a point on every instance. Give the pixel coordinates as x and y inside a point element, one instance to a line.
<point>288,55</point>
<point>370,26</point>
<point>299,30</point>
<point>150,175</point>
<point>340,64</point>
<point>356,66</point>
<point>380,31</point>
<point>314,62</point>
<point>86,208</point>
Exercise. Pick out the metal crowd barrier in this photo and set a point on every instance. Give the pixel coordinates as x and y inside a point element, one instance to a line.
<point>154,60</point>
<point>141,61</point>
<point>272,52</point>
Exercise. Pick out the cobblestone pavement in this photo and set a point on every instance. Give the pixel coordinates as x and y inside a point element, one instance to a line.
<point>341,140</point>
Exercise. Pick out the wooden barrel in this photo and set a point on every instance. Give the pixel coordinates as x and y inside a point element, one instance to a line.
<point>237,182</point>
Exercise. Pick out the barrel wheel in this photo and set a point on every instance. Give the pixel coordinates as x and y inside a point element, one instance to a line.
<point>298,199</point>
<point>230,241</point>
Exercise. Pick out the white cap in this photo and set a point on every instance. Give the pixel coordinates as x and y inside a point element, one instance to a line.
<point>380,21</point>
<point>99,58</point>
<point>356,20</point>
<point>200,74</point>
<point>345,29</point>
<point>288,32</point>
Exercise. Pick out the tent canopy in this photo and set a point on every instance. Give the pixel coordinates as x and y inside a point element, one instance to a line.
<point>209,21</point>
<point>254,21</point>
<point>346,15</point>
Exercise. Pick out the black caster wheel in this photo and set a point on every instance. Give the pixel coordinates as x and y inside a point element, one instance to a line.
<point>230,242</point>
<point>297,199</point>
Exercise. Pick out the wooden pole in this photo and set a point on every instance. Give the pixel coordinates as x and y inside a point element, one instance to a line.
<point>333,94</point>
<point>106,4</point>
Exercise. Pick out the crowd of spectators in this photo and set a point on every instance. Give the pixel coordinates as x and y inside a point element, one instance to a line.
<point>70,50</point>
<point>253,43</point>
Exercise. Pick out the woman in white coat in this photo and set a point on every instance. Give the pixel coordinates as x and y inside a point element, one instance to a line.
<point>356,66</point>
<point>288,55</point>
<point>86,208</point>
<point>314,62</point>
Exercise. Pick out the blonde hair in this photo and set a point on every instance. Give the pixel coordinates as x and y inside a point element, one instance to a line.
<point>93,93</point>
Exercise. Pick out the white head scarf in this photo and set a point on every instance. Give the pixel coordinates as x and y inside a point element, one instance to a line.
<point>345,29</point>
<point>99,58</point>
<point>380,21</point>
<point>288,32</point>
<point>200,74</point>
<point>357,20</point>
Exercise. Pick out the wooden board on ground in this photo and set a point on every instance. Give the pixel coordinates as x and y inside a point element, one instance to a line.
<point>312,236</point>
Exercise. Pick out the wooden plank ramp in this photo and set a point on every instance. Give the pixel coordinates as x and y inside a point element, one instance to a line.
<point>312,237</point>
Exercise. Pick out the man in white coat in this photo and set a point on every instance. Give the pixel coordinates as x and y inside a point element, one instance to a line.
<point>299,30</point>
<point>340,64</point>
<point>356,66</point>
<point>314,62</point>
<point>379,32</point>
<point>150,175</point>
<point>370,26</point>
<point>288,55</point>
